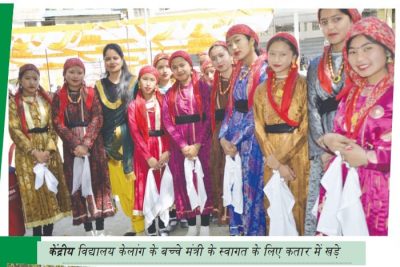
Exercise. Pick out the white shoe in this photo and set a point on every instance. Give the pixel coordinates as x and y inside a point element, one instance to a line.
<point>204,230</point>
<point>192,230</point>
<point>90,233</point>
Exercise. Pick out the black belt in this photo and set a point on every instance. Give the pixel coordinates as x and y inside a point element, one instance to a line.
<point>242,106</point>
<point>279,128</point>
<point>219,114</point>
<point>328,105</point>
<point>156,132</point>
<point>39,130</point>
<point>77,124</point>
<point>184,119</point>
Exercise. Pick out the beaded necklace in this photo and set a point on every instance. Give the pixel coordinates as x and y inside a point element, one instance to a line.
<point>338,77</point>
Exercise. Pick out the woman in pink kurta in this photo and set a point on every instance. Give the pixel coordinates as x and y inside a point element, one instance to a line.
<point>184,116</point>
<point>365,116</point>
<point>151,143</point>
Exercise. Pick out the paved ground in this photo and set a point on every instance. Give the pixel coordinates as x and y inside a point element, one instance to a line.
<point>118,225</point>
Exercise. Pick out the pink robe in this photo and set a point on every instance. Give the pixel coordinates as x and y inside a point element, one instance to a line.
<point>374,137</point>
<point>188,134</point>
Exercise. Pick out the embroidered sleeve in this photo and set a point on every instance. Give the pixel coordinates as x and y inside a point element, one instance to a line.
<point>18,137</point>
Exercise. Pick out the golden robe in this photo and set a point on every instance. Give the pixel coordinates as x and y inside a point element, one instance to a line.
<point>40,207</point>
<point>289,148</point>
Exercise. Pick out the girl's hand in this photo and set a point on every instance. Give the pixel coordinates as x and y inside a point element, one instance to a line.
<point>153,163</point>
<point>355,155</point>
<point>164,158</point>
<point>286,173</point>
<point>334,142</point>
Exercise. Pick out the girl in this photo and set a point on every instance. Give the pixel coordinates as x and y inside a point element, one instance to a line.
<point>363,123</point>
<point>184,118</point>
<point>151,150</point>
<point>221,89</point>
<point>325,79</point>
<point>77,118</point>
<point>36,144</point>
<point>280,113</point>
<point>237,130</point>
<point>116,91</point>
<point>161,64</point>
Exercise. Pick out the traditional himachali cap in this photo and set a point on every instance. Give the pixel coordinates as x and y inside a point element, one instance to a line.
<point>242,29</point>
<point>72,62</point>
<point>149,69</point>
<point>375,29</point>
<point>181,54</point>
<point>158,57</point>
<point>27,67</point>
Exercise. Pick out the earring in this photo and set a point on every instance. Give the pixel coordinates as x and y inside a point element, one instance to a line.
<point>294,65</point>
<point>389,59</point>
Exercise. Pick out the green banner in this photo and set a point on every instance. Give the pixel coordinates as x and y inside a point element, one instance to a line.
<point>20,250</point>
<point>198,252</point>
<point>6,14</point>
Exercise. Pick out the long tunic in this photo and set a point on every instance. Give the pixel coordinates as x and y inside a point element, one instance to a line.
<point>289,148</point>
<point>182,135</point>
<point>375,136</point>
<point>239,130</point>
<point>98,205</point>
<point>154,146</point>
<point>118,145</point>
<point>217,157</point>
<point>319,123</point>
<point>40,207</point>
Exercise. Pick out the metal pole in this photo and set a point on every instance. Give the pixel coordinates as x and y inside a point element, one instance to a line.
<point>127,45</point>
<point>147,41</point>
<point>48,71</point>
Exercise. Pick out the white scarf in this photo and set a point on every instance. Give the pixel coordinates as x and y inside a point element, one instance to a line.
<point>200,198</point>
<point>43,174</point>
<point>281,202</point>
<point>342,213</point>
<point>158,203</point>
<point>233,183</point>
<point>81,176</point>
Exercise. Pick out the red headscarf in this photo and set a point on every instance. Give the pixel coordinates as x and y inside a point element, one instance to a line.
<point>159,57</point>
<point>324,76</point>
<point>63,92</point>
<point>383,34</point>
<point>174,89</point>
<point>242,29</point>
<point>149,69</point>
<point>216,82</point>
<point>72,62</point>
<point>140,101</point>
<point>206,64</point>
<point>18,95</point>
<point>290,82</point>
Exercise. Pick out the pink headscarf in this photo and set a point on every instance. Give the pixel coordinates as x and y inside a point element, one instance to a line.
<point>149,69</point>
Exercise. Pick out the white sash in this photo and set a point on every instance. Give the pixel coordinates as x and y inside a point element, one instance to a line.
<point>81,176</point>
<point>44,174</point>
<point>233,184</point>
<point>200,198</point>
<point>281,202</point>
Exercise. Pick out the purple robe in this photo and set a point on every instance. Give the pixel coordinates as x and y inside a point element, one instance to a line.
<point>188,134</point>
